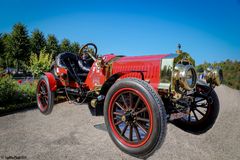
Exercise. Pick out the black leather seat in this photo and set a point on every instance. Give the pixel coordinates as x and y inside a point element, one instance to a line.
<point>77,69</point>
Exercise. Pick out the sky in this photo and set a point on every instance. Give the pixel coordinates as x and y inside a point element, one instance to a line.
<point>207,29</point>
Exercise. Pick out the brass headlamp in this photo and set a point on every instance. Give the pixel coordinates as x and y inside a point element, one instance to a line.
<point>214,75</point>
<point>185,76</point>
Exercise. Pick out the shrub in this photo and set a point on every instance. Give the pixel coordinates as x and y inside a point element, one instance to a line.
<point>41,63</point>
<point>27,91</point>
<point>8,89</point>
<point>15,95</point>
<point>1,70</point>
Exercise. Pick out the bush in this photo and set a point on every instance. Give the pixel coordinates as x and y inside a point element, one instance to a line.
<point>1,70</point>
<point>40,64</point>
<point>14,95</point>
<point>8,89</point>
<point>27,92</point>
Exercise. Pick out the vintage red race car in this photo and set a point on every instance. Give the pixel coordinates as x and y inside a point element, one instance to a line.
<point>137,95</point>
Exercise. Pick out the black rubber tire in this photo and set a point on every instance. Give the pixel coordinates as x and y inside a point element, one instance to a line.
<point>51,96</point>
<point>207,123</point>
<point>159,117</point>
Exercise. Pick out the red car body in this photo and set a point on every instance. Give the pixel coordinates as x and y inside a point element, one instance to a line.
<point>131,66</point>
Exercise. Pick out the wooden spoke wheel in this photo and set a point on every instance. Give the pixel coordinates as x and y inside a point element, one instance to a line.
<point>45,97</point>
<point>135,117</point>
<point>131,117</point>
<point>203,112</point>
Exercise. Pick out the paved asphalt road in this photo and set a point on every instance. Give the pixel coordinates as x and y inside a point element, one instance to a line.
<point>69,133</point>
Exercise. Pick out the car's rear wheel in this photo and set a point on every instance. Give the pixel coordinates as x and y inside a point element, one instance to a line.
<point>135,117</point>
<point>45,97</point>
<point>203,112</point>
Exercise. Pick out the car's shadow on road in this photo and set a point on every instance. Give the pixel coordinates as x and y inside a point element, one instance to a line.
<point>26,108</point>
<point>18,110</point>
<point>101,126</point>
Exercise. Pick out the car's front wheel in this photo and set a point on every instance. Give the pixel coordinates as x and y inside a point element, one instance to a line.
<point>135,117</point>
<point>203,113</point>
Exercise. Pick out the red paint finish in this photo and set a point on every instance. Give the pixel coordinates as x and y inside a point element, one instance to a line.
<point>111,122</point>
<point>150,65</point>
<point>96,76</point>
<point>108,57</point>
<point>52,81</point>
<point>61,71</point>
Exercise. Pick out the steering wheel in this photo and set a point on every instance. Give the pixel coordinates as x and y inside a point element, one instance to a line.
<point>90,49</point>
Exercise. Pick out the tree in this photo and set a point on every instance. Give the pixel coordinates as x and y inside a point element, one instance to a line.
<point>1,45</point>
<point>75,47</point>
<point>38,41</point>
<point>41,63</point>
<point>200,69</point>
<point>6,59</point>
<point>65,45</point>
<point>19,44</point>
<point>52,45</point>
<point>2,48</point>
